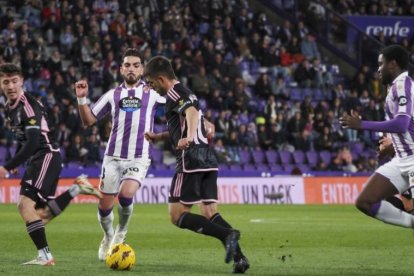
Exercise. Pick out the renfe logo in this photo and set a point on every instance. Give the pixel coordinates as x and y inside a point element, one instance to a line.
<point>397,30</point>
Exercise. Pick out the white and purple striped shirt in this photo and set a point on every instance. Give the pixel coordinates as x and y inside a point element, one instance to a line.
<point>132,112</point>
<point>399,102</point>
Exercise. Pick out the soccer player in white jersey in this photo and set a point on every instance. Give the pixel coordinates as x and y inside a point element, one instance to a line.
<point>397,175</point>
<point>132,107</point>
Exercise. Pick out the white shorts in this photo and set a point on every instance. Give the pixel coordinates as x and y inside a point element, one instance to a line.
<point>397,170</point>
<point>115,170</point>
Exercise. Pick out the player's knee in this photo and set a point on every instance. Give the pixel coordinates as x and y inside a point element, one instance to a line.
<point>363,205</point>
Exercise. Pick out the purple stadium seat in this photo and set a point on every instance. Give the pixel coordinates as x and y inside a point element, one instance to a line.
<point>307,92</point>
<point>276,168</point>
<point>3,153</point>
<point>325,156</point>
<point>304,168</point>
<point>160,166</point>
<point>223,167</point>
<point>296,94</point>
<point>101,152</point>
<point>298,157</point>
<point>258,156</point>
<point>249,168</point>
<point>357,147</point>
<point>285,157</point>
<point>263,167</point>
<point>157,156</point>
<point>244,157</point>
<point>318,95</point>
<point>312,158</point>
<point>287,168</point>
<point>74,165</point>
<point>235,167</point>
<point>272,157</point>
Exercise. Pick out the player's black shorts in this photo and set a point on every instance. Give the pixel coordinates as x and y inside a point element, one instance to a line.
<point>41,177</point>
<point>193,188</point>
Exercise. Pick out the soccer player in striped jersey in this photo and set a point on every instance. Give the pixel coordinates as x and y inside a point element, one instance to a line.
<point>397,175</point>
<point>132,107</point>
<point>37,204</point>
<point>195,179</point>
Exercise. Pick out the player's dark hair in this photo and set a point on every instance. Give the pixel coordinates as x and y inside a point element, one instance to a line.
<point>159,66</point>
<point>397,53</point>
<point>134,52</point>
<point>10,69</point>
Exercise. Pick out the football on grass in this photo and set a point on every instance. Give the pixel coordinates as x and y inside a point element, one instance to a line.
<point>121,256</point>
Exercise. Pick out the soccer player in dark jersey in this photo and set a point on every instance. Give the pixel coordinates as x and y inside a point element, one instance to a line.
<point>195,179</point>
<point>37,204</point>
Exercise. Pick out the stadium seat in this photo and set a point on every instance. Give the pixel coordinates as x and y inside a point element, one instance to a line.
<point>157,156</point>
<point>272,157</point>
<point>235,167</point>
<point>285,157</point>
<point>318,95</point>
<point>245,157</point>
<point>258,156</point>
<point>312,158</point>
<point>277,169</point>
<point>161,166</point>
<point>304,168</point>
<point>287,168</point>
<point>249,168</point>
<point>296,94</point>
<point>298,157</point>
<point>325,156</point>
<point>3,154</point>
<point>223,167</point>
<point>263,167</point>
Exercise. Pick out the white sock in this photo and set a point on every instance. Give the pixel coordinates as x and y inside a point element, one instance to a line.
<point>124,214</point>
<point>392,215</point>
<point>107,224</point>
<point>44,253</point>
<point>74,190</point>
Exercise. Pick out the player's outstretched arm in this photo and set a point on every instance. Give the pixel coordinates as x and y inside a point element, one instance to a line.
<point>154,137</point>
<point>85,112</point>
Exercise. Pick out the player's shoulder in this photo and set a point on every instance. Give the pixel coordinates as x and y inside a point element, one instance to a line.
<point>179,91</point>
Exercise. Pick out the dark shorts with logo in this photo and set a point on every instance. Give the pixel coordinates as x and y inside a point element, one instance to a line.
<point>193,188</point>
<point>41,177</point>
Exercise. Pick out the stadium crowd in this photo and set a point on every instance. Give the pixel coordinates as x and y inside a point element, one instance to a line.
<point>265,87</point>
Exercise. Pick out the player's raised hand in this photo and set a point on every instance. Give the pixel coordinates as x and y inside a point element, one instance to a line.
<point>81,88</point>
<point>352,120</point>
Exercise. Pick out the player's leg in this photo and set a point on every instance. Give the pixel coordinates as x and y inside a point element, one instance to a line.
<point>109,187</point>
<point>56,206</point>
<point>385,182</point>
<point>133,174</point>
<point>36,230</point>
<point>39,182</point>
<point>209,209</point>
<point>184,192</point>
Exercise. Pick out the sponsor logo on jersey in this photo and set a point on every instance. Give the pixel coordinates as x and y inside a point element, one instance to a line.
<point>32,121</point>
<point>130,104</point>
<point>402,100</point>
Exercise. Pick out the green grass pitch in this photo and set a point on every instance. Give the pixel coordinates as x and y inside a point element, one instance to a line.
<point>278,240</point>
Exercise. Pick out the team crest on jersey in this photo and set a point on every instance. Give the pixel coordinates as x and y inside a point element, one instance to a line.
<point>146,89</point>
<point>130,104</point>
<point>181,102</point>
<point>402,100</point>
<point>32,121</point>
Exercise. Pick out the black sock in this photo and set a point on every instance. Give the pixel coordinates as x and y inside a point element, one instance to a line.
<point>59,204</point>
<point>36,231</point>
<point>202,225</point>
<point>396,202</point>
<point>218,219</point>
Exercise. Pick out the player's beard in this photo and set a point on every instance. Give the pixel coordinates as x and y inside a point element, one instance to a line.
<point>131,79</point>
